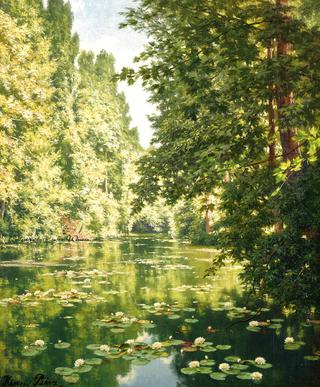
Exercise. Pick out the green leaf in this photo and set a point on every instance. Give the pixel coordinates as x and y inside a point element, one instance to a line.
<point>83,369</point>
<point>263,366</point>
<point>31,352</point>
<point>117,330</point>
<point>204,370</point>
<point>191,320</point>
<point>71,379</point>
<point>312,358</point>
<point>174,317</point>
<point>218,376</point>
<point>93,347</point>
<point>93,361</point>
<point>232,359</point>
<point>189,371</point>
<point>64,371</point>
<point>62,345</point>
<point>207,362</point>
<point>239,366</point>
<point>244,376</point>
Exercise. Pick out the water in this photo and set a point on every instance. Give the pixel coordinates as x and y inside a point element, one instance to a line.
<point>141,270</point>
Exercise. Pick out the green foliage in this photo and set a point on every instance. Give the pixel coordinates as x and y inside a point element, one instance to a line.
<point>67,149</point>
<point>212,68</point>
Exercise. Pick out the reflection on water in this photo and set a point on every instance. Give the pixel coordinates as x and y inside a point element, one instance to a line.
<point>139,270</point>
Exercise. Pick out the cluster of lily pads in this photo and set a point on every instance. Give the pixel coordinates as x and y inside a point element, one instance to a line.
<point>171,311</point>
<point>233,366</point>
<point>118,322</point>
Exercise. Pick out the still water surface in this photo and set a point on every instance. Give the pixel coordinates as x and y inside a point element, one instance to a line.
<point>130,272</point>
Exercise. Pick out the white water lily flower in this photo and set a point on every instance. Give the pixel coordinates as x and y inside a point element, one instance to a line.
<point>37,292</point>
<point>119,314</point>
<point>125,319</point>
<point>130,342</point>
<point>163,304</point>
<point>256,376</point>
<point>87,280</point>
<point>254,323</point>
<point>59,341</point>
<point>133,319</point>
<point>170,337</point>
<point>224,367</point>
<point>129,351</point>
<point>156,345</point>
<point>194,364</point>
<point>260,360</point>
<point>79,363</point>
<point>289,340</point>
<point>104,348</point>
<point>157,305</point>
<point>39,343</point>
<point>199,341</point>
<point>74,291</point>
<point>228,304</point>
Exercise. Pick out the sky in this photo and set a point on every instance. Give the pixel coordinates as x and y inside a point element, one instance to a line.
<point>96,21</point>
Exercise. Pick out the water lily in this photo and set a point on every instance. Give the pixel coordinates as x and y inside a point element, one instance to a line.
<point>194,364</point>
<point>256,376</point>
<point>254,323</point>
<point>37,292</point>
<point>104,348</point>
<point>170,337</point>
<point>289,340</point>
<point>130,342</point>
<point>119,314</point>
<point>125,319</point>
<point>74,291</point>
<point>87,280</point>
<point>224,367</point>
<point>228,304</point>
<point>260,360</point>
<point>39,343</point>
<point>79,363</point>
<point>199,341</point>
<point>156,345</point>
<point>157,305</point>
<point>129,351</point>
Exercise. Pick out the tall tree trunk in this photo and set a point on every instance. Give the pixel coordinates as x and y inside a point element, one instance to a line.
<point>290,147</point>
<point>272,127</point>
<point>278,224</point>
<point>3,209</point>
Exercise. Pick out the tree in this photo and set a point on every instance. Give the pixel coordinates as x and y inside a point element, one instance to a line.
<point>234,83</point>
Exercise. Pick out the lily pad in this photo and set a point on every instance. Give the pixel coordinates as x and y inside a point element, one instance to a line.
<point>275,326</point>
<point>83,369</point>
<point>204,370</point>
<point>62,345</point>
<point>263,366</point>
<point>240,367</point>
<point>207,362</point>
<point>312,358</point>
<point>244,376</point>
<point>31,352</point>
<point>93,361</point>
<point>218,376</point>
<point>188,371</point>
<point>232,359</point>
<point>71,379</point>
<point>189,309</point>
<point>191,320</point>
<point>174,317</point>
<point>208,349</point>
<point>64,371</point>
<point>277,320</point>
<point>93,347</point>
<point>117,330</point>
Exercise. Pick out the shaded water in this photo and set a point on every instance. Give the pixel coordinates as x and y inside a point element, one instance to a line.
<point>141,270</point>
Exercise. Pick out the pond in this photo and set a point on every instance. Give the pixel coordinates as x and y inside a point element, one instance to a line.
<point>85,300</point>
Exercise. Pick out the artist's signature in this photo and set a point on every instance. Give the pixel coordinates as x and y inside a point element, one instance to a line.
<point>37,380</point>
